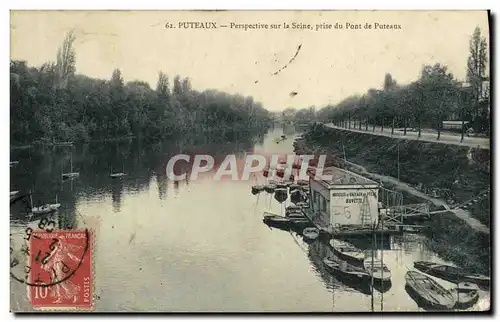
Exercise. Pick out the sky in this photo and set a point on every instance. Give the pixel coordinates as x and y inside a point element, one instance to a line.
<point>331,64</point>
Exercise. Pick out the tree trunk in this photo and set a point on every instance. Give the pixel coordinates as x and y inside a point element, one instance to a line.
<point>366,124</point>
<point>392,131</point>
<point>404,133</point>
<point>439,127</point>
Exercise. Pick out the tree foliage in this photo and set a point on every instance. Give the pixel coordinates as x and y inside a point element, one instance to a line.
<point>434,97</point>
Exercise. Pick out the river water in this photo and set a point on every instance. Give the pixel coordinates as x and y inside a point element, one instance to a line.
<point>195,245</point>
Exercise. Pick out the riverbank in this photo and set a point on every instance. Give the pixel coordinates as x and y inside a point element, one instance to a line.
<point>430,172</point>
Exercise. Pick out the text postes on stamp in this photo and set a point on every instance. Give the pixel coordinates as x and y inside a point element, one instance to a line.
<point>61,270</point>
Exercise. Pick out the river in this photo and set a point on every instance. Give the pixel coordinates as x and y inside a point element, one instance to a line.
<point>195,245</point>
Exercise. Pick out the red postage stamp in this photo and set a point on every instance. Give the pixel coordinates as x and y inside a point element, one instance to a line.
<point>61,270</point>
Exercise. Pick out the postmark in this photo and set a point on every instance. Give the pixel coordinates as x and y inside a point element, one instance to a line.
<point>53,258</point>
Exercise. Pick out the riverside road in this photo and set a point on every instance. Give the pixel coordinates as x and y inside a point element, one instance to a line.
<point>426,136</point>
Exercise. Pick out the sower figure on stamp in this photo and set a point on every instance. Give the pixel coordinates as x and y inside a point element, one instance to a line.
<point>58,269</point>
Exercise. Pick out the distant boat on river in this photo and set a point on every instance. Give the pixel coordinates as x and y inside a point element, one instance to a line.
<point>43,209</point>
<point>347,251</point>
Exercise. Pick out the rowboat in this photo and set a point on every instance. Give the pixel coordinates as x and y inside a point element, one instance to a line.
<point>346,251</point>
<point>117,175</point>
<point>302,182</point>
<point>295,214</point>
<point>311,233</point>
<point>296,195</point>
<point>451,273</point>
<point>285,222</point>
<point>467,294</point>
<point>280,194</point>
<point>427,292</point>
<point>292,208</point>
<point>302,204</point>
<point>71,174</point>
<point>352,276</point>
<point>376,268</point>
<point>269,188</point>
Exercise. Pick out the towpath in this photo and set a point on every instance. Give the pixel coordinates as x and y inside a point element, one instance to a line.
<point>460,213</point>
<point>426,136</point>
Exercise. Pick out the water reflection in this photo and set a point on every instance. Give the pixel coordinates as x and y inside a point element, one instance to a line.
<point>198,245</point>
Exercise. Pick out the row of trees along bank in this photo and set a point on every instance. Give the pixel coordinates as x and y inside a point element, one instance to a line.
<point>436,96</point>
<point>51,103</point>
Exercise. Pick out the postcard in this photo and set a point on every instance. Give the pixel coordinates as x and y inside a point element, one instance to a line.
<point>250,161</point>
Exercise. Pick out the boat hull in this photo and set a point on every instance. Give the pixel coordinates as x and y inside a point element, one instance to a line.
<point>359,281</point>
<point>355,256</point>
<point>450,273</point>
<point>427,293</point>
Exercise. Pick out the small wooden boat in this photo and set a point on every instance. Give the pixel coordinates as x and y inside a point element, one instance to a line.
<point>427,292</point>
<point>303,182</point>
<point>466,294</point>
<point>376,268</point>
<point>269,188</point>
<point>281,185</point>
<point>292,208</point>
<point>40,210</point>
<point>67,143</point>
<point>451,273</point>
<point>284,222</point>
<point>296,196</point>
<point>118,175</point>
<point>345,269</point>
<point>71,174</point>
<point>311,233</point>
<point>302,205</point>
<point>257,189</point>
<point>347,251</point>
<point>348,275</point>
<point>294,214</point>
<point>55,206</point>
<point>13,195</point>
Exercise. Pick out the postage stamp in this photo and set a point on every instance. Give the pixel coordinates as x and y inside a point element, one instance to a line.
<point>61,270</point>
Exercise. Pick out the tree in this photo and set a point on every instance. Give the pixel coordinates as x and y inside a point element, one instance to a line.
<point>476,66</point>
